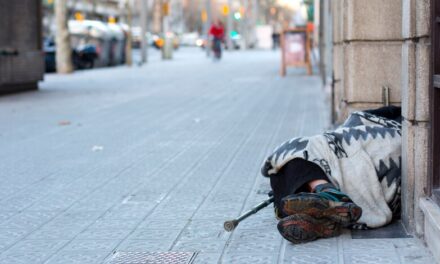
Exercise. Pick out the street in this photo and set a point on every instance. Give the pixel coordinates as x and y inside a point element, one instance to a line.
<point>156,157</point>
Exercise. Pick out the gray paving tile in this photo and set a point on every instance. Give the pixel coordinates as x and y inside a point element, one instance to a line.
<point>91,245</point>
<point>207,258</point>
<point>156,234</point>
<point>4,215</point>
<point>12,233</point>
<point>204,224</point>
<point>65,233</point>
<point>78,257</point>
<point>125,214</point>
<point>145,245</point>
<point>240,246</point>
<point>174,223</point>
<point>170,214</point>
<point>78,215</point>
<point>246,258</point>
<point>257,235</point>
<point>105,234</point>
<point>202,245</point>
<point>47,245</point>
<point>308,257</point>
<point>114,224</point>
<point>416,258</point>
<point>318,246</point>
<point>24,257</point>
<point>62,222</point>
<point>190,234</point>
<point>215,214</point>
<point>6,243</point>
<point>367,257</point>
<point>368,245</point>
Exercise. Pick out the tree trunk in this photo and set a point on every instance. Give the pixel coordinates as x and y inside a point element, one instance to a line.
<point>63,49</point>
<point>157,16</point>
<point>128,47</point>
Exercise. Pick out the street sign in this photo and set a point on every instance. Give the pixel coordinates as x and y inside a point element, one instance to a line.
<point>79,16</point>
<point>242,11</point>
<point>225,10</point>
<point>295,49</point>
<point>166,9</point>
<point>204,16</point>
<point>112,20</point>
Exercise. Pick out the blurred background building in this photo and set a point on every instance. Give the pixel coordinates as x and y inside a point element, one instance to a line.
<point>21,57</point>
<point>103,32</point>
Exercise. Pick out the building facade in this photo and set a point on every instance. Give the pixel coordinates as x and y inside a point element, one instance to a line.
<point>21,55</point>
<point>386,52</point>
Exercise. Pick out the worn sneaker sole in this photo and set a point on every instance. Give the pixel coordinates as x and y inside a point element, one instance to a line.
<point>344,213</point>
<point>302,228</point>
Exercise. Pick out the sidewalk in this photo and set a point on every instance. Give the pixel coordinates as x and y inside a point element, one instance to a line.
<point>156,158</point>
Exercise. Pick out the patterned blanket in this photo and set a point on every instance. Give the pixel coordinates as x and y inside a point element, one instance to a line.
<point>362,157</point>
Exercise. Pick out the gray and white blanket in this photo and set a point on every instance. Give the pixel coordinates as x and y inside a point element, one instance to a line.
<point>362,158</point>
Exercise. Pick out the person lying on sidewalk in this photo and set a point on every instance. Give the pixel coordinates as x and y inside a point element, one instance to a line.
<point>346,178</point>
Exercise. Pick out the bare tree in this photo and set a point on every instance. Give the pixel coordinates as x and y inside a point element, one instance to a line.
<point>128,47</point>
<point>63,49</point>
<point>157,16</point>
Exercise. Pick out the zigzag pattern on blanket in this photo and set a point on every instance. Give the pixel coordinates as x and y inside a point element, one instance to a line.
<point>389,170</point>
<point>349,133</point>
<point>292,146</point>
<point>367,119</point>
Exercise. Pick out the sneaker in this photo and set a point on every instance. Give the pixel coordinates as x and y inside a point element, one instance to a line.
<point>327,202</point>
<point>302,228</point>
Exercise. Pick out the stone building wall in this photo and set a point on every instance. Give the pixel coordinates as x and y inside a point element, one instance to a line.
<point>367,39</point>
<point>416,54</point>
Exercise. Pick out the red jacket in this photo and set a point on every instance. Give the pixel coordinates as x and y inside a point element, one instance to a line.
<point>217,31</point>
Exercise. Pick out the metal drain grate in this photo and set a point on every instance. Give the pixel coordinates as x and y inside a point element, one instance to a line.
<point>169,257</point>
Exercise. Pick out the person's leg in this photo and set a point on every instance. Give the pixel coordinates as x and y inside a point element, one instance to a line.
<point>320,213</point>
<point>294,177</point>
<point>313,184</point>
<point>322,199</point>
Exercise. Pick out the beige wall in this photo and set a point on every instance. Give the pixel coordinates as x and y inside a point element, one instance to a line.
<point>415,108</point>
<point>367,38</point>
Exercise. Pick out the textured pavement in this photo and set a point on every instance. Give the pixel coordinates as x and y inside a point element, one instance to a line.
<point>156,158</point>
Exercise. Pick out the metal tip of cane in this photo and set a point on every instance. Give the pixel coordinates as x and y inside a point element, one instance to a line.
<point>230,225</point>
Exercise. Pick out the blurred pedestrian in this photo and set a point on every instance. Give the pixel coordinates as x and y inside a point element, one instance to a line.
<point>276,32</point>
<point>217,34</point>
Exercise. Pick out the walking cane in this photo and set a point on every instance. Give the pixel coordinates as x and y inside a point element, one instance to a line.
<point>232,224</point>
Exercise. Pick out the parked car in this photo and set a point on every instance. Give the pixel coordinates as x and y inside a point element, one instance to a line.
<point>83,56</point>
<point>49,55</point>
<point>237,41</point>
<point>136,37</point>
<point>108,39</point>
<point>201,41</point>
<point>159,41</point>
<point>189,39</point>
